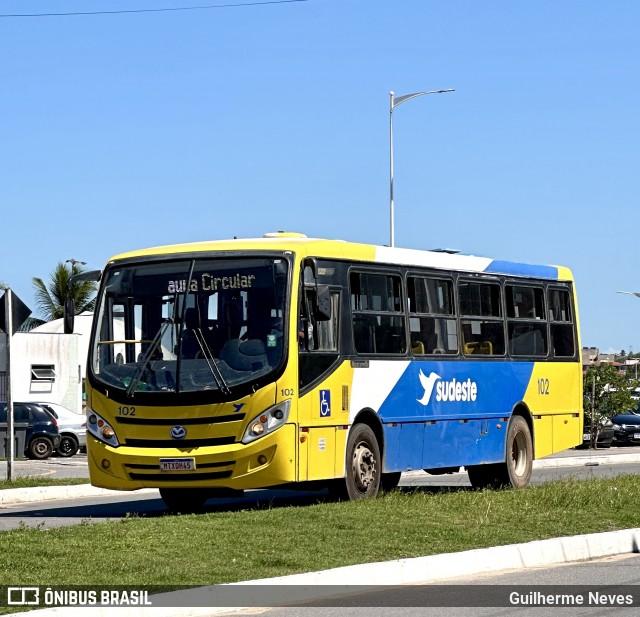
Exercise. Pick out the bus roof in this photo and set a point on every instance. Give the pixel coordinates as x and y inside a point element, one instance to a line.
<point>339,249</point>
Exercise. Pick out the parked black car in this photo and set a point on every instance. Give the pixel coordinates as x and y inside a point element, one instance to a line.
<point>42,436</point>
<point>605,436</point>
<point>626,427</point>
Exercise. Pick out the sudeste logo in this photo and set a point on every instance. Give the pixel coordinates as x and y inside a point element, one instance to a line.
<point>452,390</point>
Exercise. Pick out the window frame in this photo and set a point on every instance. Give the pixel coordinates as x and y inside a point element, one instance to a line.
<point>391,273</point>
<point>532,323</point>
<point>556,286</point>
<point>43,373</point>
<point>414,314</point>
<point>464,318</point>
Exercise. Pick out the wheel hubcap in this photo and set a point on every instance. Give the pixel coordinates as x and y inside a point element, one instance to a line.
<point>519,454</point>
<point>364,467</point>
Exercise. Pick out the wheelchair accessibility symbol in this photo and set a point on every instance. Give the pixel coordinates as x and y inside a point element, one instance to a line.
<point>325,403</point>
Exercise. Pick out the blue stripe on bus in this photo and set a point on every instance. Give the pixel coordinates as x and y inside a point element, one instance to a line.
<point>441,414</point>
<point>511,267</point>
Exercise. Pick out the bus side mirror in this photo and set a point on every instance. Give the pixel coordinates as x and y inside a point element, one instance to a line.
<point>69,305</point>
<point>69,314</point>
<point>322,308</point>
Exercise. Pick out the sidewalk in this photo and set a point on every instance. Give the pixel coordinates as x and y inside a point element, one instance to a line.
<point>13,496</point>
<point>602,456</point>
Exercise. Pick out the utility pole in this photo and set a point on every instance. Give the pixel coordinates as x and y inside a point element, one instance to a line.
<point>11,454</point>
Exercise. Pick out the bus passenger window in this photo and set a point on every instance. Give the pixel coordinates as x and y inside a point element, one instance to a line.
<point>377,313</point>
<point>482,324</point>
<point>527,326</point>
<point>562,329</point>
<point>432,323</point>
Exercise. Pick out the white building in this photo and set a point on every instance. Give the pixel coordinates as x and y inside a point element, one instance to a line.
<point>47,365</point>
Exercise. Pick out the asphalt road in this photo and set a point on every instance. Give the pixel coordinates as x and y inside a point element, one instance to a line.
<point>54,467</point>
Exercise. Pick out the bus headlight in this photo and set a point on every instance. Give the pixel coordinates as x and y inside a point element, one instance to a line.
<point>267,422</point>
<point>101,429</point>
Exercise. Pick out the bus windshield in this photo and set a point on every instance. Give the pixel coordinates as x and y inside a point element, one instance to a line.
<point>190,325</point>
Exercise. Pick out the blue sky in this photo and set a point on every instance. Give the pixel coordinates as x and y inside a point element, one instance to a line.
<point>133,130</point>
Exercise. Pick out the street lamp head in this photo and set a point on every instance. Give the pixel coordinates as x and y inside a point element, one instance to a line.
<point>393,103</point>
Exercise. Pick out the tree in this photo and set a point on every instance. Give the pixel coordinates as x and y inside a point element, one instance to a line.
<point>606,392</point>
<point>50,301</point>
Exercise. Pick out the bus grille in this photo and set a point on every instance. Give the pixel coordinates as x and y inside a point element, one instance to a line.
<point>182,444</point>
<point>182,421</point>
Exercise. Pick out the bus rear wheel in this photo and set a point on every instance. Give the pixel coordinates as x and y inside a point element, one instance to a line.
<point>483,476</point>
<point>516,470</point>
<point>184,500</point>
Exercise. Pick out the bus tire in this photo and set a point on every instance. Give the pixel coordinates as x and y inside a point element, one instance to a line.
<point>184,500</point>
<point>483,476</point>
<point>389,481</point>
<point>516,470</point>
<point>363,464</point>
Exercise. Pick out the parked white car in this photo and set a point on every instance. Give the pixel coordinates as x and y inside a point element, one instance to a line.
<point>72,427</point>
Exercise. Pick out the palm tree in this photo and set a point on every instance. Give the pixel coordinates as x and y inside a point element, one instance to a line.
<point>51,301</point>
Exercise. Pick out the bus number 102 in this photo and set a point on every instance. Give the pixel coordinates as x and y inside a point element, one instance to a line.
<point>543,386</point>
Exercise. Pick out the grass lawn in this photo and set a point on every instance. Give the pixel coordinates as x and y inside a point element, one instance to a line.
<point>234,545</point>
<point>29,482</point>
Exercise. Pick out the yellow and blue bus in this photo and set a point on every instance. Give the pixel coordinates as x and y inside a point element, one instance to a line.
<point>223,366</point>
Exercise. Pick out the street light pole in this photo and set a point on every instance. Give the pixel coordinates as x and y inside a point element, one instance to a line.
<point>394,102</point>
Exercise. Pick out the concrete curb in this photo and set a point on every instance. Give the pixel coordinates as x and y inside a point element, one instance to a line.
<point>586,460</point>
<point>13,496</point>
<point>416,571</point>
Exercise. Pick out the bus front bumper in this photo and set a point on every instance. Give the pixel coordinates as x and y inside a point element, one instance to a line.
<point>268,461</point>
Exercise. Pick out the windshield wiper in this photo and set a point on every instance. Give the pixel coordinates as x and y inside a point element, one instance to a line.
<point>212,363</point>
<point>144,362</point>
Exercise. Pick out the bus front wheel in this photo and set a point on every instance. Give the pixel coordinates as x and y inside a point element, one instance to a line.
<point>184,500</point>
<point>363,465</point>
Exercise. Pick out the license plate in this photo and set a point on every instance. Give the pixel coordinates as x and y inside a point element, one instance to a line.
<point>177,464</point>
<point>586,437</point>
<point>636,435</point>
